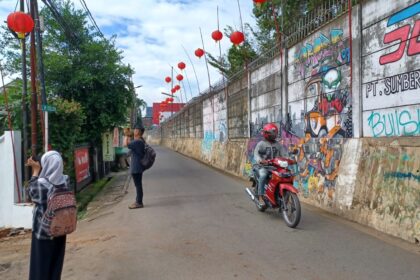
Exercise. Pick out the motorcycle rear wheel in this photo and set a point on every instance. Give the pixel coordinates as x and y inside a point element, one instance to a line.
<point>291,209</point>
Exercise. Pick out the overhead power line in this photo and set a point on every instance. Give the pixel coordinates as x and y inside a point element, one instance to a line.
<point>71,36</point>
<point>91,17</point>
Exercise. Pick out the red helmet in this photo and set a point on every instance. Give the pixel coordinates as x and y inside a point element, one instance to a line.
<point>270,131</point>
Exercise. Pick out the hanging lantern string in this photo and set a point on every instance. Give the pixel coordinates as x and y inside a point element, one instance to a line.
<point>205,57</point>
<point>183,85</point>
<point>9,119</point>
<point>218,28</point>
<point>220,54</point>
<point>192,64</point>
<point>240,17</point>
<point>17,3</point>
<point>189,84</point>
<point>180,81</point>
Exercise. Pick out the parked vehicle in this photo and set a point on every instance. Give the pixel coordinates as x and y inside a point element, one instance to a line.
<point>279,191</point>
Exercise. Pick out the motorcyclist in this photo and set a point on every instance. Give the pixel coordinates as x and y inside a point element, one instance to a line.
<point>266,150</point>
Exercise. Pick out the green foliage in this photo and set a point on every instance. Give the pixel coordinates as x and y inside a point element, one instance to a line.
<point>85,79</point>
<point>84,197</point>
<point>65,129</point>
<point>283,16</point>
<point>237,57</point>
<point>89,71</point>
<point>14,99</point>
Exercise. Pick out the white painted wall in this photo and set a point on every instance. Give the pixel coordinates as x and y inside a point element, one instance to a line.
<point>11,213</point>
<point>391,68</point>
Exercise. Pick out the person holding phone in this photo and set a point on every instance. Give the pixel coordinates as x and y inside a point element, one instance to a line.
<point>47,253</point>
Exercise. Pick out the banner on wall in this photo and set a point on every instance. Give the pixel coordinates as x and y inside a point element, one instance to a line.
<point>81,164</point>
<point>108,151</point>
<point>116,140</point>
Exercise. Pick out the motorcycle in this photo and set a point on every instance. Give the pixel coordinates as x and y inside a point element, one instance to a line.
<point>279,191</point>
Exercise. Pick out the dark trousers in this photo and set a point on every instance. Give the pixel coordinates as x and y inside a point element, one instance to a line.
<point>138,182</point>
<point>47,258</point>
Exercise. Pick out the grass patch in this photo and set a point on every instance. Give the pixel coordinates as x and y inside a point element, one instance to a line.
<point>84,197</point>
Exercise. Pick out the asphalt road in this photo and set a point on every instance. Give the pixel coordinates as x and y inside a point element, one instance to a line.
<point>199,224</point>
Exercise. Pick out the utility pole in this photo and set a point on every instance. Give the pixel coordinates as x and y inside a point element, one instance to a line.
<point>24,104</point>
<point>40,65</point>
<point>34,135</point>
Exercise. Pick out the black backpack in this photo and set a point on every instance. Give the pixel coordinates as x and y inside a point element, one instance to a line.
<point>149,157</point>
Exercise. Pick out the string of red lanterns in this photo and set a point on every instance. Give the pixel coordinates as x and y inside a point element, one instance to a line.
<point>236,38</point>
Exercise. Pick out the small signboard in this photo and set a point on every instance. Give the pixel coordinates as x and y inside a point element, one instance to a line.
<point>48,108</point>
<point>81,166</point>
<point>108,150</point>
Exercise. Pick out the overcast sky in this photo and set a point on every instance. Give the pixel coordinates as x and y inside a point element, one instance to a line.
<point>151,34</point>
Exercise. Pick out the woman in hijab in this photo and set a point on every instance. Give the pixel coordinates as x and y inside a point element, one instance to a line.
<point>47,253</point>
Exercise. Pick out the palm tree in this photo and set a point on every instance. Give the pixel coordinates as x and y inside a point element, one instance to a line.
<point>139,105</point>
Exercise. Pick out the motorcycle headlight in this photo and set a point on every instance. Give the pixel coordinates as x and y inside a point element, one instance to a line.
<point>283,164</point>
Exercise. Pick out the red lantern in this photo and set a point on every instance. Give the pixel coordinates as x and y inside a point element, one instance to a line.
<point>259,1</point>
<point>173,90</point>
<point>199,52</point>
<point>20,23</point>
<point>168,79</point>
<point>179,77</point>
<point>217,35</point>
<point>237,37</point>
<point>170,99</point>
<point>177,87</point>
<point>181,65</point>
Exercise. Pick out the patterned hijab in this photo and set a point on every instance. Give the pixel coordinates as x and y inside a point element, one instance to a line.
<point>52,168</point>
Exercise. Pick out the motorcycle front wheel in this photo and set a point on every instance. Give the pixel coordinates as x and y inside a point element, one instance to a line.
<point>291,209</point>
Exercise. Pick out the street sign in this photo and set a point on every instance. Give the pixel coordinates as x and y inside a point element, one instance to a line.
<point>48,108</point>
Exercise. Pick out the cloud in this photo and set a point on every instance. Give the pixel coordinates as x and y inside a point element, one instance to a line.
<point>151,34</point>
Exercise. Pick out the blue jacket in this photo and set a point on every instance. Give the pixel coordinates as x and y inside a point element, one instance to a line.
<point>137,153</point>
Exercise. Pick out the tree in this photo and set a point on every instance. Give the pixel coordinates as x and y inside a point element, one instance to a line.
<point>84,68</point>
<point>139,105</point>
<point>283,16</point>
<point>87,69</point>
<point>85,78</point>
<point>14,99</point>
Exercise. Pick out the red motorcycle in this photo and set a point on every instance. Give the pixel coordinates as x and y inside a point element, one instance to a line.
<point>279,192</point>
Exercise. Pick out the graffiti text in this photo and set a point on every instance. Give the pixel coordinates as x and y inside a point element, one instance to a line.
<point>397,123</point>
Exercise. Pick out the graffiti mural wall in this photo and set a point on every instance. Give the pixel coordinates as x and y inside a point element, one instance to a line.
<point>391,69</point>
<point>208,128</point>
<point>214,122</point>
<point>220,116</point>
<point>320,108</point>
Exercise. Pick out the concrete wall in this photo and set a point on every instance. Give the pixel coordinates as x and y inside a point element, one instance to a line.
<point>391,68</point>
<point>265,95</point>
<point>358,140</point>
<point>12,214</point>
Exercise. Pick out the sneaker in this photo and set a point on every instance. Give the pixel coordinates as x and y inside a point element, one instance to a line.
<point>135,205</point>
